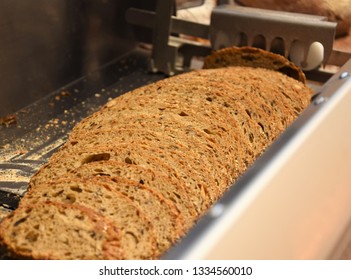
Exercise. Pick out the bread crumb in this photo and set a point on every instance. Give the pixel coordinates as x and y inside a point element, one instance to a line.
<point>22,151</point>
<point>6,146</point>
<point>65,93</point>
<point>8,120</point>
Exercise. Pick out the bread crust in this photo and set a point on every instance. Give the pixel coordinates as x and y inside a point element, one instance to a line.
<point>253,57</point>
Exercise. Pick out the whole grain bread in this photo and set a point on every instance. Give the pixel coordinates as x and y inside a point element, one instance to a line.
<point>152,161</point>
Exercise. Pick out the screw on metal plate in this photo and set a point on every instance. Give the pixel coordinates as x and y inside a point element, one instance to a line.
<point>319,100</point>
<point>217,210</point>
<point>344,75</point>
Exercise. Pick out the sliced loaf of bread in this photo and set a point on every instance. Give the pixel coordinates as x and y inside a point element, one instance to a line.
<point>152,161</point>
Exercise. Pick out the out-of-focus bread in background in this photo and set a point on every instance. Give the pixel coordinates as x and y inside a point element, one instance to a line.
<point>335,10</point>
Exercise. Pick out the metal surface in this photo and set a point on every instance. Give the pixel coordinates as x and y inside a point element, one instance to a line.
<point>163,54</point>
<point>174,54</point>
<point>170,52</point>
<point>186,4</point>
<point>178,26</point>
<point>42,127</point>
<point>232,25</point>
<point>47,44</point>
<point>238,26</point>
<point>294,203</point>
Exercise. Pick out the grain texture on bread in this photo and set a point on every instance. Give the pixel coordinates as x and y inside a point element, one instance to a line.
<point>138,240</point>
<point>165,218</point>
<point>163,146</point>
<point>130,154</point>
<point>171,189</point>
<point>48,230</point>
<point>151,162</point>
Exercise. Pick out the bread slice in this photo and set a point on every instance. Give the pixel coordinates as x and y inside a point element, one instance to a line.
<point>270,99</point>
<point>256,126</point>
<point>137,240</point>
<point>181,126</point>
<point>237,151</point>
<point>247,119</point>
<point>58,231</point>
<point>198,176</point>
<point>161,141</point>
<point>170,189</point>
<point>180,99</point>
<point>252,90</point>
<point>163,114</point>
<point>284,94</point>
<point>153,106</point>
<point>217,91</point>
<point>262,91</point>
<point>168,224</point>
<point>247,135</point>
<point>65,162</point>
<point>206,118</point>
<point>253,57</point>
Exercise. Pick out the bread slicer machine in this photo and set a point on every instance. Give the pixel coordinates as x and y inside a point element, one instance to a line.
<point>292,203</point>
